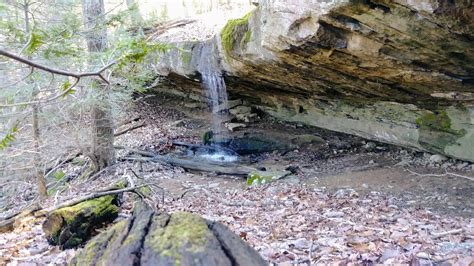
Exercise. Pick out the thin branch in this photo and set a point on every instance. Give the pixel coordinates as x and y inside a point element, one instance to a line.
<point>440,175</point>
<point>93,196</point>
<point>64,93</point>
<point>452,232</point>
<point>58,71</point>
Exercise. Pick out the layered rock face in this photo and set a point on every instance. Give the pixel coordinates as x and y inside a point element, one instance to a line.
<point>400,72</point>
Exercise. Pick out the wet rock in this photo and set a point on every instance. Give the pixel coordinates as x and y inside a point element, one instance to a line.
<point>255,145</point>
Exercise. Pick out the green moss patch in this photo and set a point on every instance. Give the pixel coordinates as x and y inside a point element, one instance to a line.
<point>71,226</point>
<point>264,177</point>
<point>185,232</point>
<point>230,31</point>
<point>436,132</point>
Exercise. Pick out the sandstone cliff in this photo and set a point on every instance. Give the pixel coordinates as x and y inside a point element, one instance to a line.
<point>400,72</point>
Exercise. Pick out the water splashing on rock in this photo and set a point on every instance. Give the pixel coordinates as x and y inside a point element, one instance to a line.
<point>216,92</point>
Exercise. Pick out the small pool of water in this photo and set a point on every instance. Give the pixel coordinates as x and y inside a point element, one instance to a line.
<point>219,157</point>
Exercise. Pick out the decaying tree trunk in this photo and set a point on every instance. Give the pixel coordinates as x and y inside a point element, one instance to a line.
<point>71,226</point>
<point>167,239</point>
<point>103,153</point>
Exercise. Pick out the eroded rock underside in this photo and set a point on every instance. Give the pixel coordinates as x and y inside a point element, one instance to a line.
<point>400,72</point>
<point>167,239</point>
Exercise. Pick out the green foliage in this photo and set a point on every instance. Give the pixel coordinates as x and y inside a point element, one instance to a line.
<point>8,138</point>
<point>247,36</point>
<point>66,87</point>
<point>134,51</point>
<point>12,31</point>
<point>59,175</point>
<point>35,42</point>
<point>229,30</point>
<point>207,137</point>
<point>61,39</point>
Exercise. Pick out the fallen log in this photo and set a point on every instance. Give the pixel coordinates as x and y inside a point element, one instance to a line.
<point>180,238</point>
<point>71,226</point>
<point>132,127</point>
<point>202,166</point>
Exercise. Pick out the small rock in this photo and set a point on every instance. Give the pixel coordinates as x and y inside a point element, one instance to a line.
<point>234,126</point>
<point>370,146</point>
<point>334,214</point>
<point>248,118</point>
<point>371,162</point>
<point>301,243</point>
<point>343,193</point>
<point>241,109</point>
<point>438,158</point>
<point>178,123</point>
<point>462,166</point>
<point>446,165</point>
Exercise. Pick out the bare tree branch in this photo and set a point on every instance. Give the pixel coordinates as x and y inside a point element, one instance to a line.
<point>60,72</point>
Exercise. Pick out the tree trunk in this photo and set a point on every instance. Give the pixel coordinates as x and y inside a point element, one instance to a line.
<point>39,175</point>
<point>180,238</point>
<point>103,152</point>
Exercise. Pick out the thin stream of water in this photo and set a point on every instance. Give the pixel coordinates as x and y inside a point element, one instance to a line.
<point>213,84</point>
<point>215,88</point>
<point>216,91</point>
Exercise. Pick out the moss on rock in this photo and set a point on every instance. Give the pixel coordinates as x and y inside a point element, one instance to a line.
<point>229,32</point>
<point>436,131</point>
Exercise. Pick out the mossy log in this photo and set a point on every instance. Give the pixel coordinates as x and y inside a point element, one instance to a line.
<point>167,239</point>
<point>71,226</point>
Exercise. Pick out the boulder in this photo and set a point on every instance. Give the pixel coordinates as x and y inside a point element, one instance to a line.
<point>167,239</point>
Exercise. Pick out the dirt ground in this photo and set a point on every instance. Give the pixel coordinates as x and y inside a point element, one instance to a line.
<point>348,200</point>
<point>344,161</point>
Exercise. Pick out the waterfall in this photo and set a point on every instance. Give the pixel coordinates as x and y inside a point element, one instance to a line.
<point>214,86</point>
<point>216,93</point>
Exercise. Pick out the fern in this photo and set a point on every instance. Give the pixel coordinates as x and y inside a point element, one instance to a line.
<point>8,138</point>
